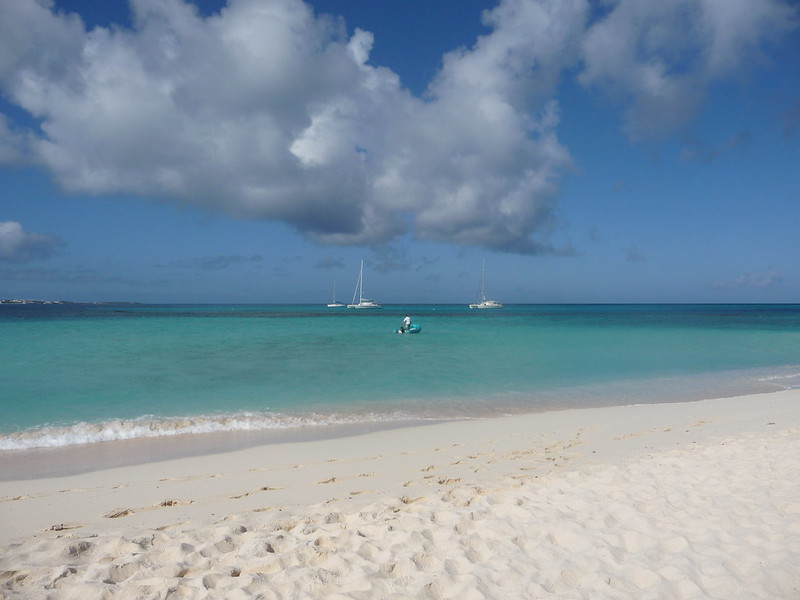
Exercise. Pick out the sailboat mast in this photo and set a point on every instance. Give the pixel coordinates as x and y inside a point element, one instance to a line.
<point>361,283</point>
<point>483,281</point>
<point>357,291</point>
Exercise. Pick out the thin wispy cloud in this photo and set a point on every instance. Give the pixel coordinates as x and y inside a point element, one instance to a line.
<point>214,263</point>
<point>329,262</point>
<point>80,276</point>
<point>697,151</point>
<point>223,262</point>
<point>633,254</point>
<point>791,120</point>
<point>752,281</point>
<point>269,111</point>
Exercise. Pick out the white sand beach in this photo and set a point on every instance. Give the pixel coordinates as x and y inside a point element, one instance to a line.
<point>669,501</point>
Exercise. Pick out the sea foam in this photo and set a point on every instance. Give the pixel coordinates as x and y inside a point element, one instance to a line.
<point>151,427</point>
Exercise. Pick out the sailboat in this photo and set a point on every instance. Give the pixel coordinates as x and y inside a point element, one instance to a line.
<point>484,303</point>
<point>334,303</point>
<point>359,293</point>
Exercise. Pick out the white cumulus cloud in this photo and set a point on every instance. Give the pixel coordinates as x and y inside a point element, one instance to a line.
<point>20,246</point>
<point>660,58</point>
<point>269,111</point>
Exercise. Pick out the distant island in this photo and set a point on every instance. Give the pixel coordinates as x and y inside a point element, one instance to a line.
<point>20,301</point>
<point>29,301</point>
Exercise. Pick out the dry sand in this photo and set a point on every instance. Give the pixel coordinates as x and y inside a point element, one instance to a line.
<point>684,501</point>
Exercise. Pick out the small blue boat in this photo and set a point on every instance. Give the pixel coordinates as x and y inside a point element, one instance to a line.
<point>413,328</point>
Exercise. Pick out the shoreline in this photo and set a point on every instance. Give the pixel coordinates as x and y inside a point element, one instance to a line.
<point>78,459</point>
<point>168,442</point>
<point>201,523</point>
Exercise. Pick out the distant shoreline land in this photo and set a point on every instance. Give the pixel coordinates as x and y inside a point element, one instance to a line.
<point>29,301</point>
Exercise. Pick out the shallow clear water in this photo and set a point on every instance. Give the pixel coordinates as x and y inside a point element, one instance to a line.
<point>73,374</point>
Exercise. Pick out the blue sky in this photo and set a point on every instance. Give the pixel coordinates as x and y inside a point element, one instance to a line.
<point>256,150</point>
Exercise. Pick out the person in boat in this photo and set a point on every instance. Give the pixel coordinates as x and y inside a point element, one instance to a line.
<point>406,323</point>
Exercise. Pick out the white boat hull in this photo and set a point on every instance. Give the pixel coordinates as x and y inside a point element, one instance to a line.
<point>487,304</point>
<point>365,304</point>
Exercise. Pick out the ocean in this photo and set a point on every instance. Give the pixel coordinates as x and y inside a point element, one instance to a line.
<point>82,374</point>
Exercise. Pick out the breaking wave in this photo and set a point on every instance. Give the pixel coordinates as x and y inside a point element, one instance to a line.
<point>152,427</point>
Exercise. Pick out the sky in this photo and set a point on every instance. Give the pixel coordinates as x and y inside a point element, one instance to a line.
<point>255,151</point>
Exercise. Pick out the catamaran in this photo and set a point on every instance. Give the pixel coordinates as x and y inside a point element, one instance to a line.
<point>359,293</point>
<point>334,303</point>
<point>484,303</point>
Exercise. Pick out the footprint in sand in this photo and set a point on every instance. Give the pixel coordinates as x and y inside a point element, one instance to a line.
<point>117,513</point>
<point>64,527</point>
<point>80,548</point>
<point>448,480</point>
<point>408,500</point>
<point>124,512</point>
<point>189,478</point>
<point>119,573</point>
<point>167,503</point>
<point>266,488</point>
<point>627,436</point>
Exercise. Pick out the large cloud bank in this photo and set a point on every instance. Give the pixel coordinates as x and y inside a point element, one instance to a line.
<point>269,111</point>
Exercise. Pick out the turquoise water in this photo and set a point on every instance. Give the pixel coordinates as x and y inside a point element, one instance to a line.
<point>75,374</point>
